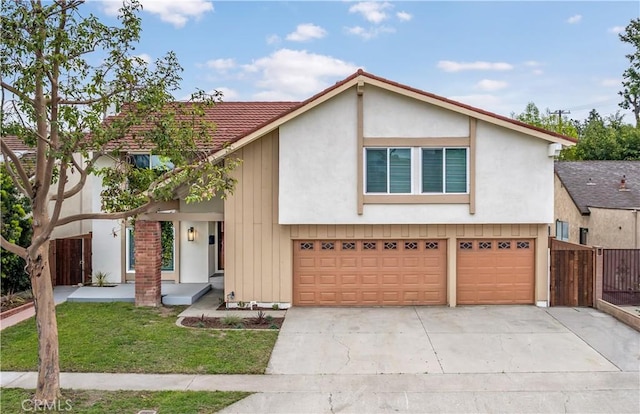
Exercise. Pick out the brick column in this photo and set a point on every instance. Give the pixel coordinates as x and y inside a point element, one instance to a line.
<point>148,254</point>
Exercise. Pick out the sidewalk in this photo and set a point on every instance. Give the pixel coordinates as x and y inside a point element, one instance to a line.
<point>510,392</point>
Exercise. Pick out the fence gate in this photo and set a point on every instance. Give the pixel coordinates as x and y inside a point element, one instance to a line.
<point>621,276</point>
<point>70,260</point>
<point>572,274</point>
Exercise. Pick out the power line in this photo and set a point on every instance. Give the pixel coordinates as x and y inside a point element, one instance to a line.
<point>560,112</point>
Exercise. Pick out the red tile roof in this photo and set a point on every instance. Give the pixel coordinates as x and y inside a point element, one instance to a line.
<point>233,120</point>
<point>15,144</point>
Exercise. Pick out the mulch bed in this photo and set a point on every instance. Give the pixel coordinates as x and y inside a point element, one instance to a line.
<point>216,323</point>
<point>8,309</point>
<point>223,307</point>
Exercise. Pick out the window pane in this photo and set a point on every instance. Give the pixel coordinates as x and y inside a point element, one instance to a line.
<point>162,163</point>
<point>131,251</point>
<point>140,160</point>
<point>456,175</point>
<point>431,170</point>
<point>376,170</point>
<point>400,170</point>
<point>168,241</point>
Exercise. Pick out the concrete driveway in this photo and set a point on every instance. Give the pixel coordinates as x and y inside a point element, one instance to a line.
<point>515,359</point>
<point>436,340</point>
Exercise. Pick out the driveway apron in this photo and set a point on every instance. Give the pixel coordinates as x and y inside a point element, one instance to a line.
<point>433,340</point>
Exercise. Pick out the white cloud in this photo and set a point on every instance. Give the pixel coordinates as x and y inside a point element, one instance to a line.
<point>532,63</point>
<point>451,66</point>
<point>370,33</point>
<point>273,39</point>
<point>144,57</point>
<point>221,65</point>
<point>616,29</point>
<point>306,31</point>
<point>174,12</point>
<point>491,85</point>
<point>228,94</point>
<point>372,11</point>
<point>404,16</point>
<point>610,82</point>
<point>574,19</point>
<point>537,72</point>
<point>296,74</point>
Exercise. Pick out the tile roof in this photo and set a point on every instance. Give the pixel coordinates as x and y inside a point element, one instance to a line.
<point>597,183</point>
<point>16,144</point>
<point>233,121</point>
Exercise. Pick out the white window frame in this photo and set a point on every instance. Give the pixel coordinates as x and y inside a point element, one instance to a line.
<point>444,170</point>
<point>388,192</point>
<point>416,171</point>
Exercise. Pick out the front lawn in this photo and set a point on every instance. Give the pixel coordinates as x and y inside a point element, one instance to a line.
<point>14,400</point>
<point>118,337</point>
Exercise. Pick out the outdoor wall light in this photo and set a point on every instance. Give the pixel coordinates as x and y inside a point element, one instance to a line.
<point>191,234</point>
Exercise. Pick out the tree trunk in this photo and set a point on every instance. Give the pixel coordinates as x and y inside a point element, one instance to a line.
<point>48,387</point>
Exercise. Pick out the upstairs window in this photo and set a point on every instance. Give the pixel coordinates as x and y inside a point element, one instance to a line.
<point>444,170</point>
<point>416,171</point>
<point>388,170</point>
<point>150,161</point>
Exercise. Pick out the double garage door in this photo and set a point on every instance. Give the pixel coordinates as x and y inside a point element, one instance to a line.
<point>410,272</point>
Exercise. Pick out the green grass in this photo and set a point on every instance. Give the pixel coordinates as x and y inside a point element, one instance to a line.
<point>98,402</point>
<point>118,337</point>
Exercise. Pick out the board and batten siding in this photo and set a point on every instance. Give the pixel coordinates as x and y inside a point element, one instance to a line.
<point>259,251</point>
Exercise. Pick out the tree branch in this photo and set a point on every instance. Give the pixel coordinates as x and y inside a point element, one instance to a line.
<point>17,92</point>
<point>145,208</point>
<point>13,248</point>
<point>26,184</point>
<point>83,177</point>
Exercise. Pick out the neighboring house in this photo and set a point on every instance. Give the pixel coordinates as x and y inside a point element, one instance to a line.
<point>597,203</point>
<point>368,193</point>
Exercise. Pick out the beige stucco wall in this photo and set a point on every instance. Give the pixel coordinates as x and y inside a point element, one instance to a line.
<point>259,251</point>
<point>565,210</point>
<point>615,229</point>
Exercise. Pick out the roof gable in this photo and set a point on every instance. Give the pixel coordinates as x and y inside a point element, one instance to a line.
<point>361,78</point>
<point>598,183</point>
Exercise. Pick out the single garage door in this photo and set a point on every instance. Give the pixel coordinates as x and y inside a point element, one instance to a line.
<point>369,272</point>
<point>495,271</point>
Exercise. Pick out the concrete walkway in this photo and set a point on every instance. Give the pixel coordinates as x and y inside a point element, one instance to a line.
<point>60,294</point>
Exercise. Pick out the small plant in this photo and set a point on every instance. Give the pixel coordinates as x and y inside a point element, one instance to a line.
<point>239,326</point>
<point>100,279</point>
<point>269,318</point>
<point>201,323</point>
<point>13,299</point>
<point>242,305</point>
<point>273,326</point>
<point>260,318</point>
<point>231,320</point>
<point>275,306</point>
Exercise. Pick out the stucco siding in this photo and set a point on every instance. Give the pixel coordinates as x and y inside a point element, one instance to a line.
<point>565,210</point>
<point>78,204</point>
<point>614,229</point>
<point>409,119</point>
<point>318,170</point>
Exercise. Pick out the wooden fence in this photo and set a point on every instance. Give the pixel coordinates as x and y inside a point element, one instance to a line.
<point>572,274</point>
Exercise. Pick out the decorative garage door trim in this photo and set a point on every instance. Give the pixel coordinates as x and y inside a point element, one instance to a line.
<point>369,272</point>
<point>495,271</point>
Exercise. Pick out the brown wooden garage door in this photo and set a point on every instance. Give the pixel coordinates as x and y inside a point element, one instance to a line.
<point>369,272</point>
<point>495,271</point>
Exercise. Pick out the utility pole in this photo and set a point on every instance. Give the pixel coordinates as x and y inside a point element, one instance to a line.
<point>560,112</point>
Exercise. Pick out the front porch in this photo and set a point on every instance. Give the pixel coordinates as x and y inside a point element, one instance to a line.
<point>171,293</point>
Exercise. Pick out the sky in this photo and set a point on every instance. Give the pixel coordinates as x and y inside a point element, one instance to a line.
<point>496,56</point>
